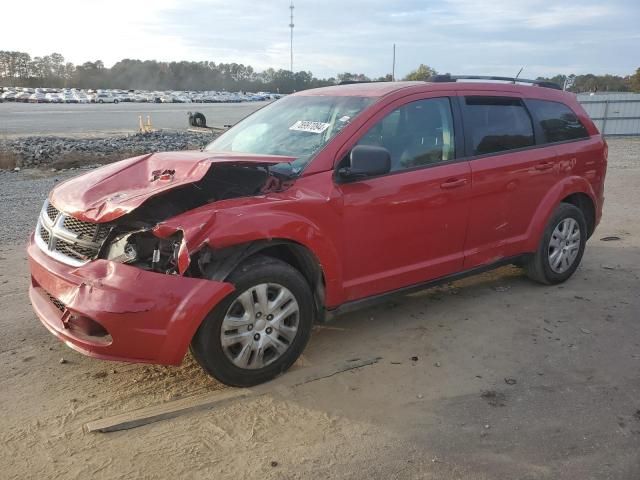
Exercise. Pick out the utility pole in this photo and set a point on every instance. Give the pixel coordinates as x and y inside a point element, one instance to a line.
<point>393,67</point>
<point>291,27</point>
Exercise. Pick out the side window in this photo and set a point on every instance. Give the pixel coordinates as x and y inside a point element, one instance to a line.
<point>419,133</point>
<point>496,124</point>
<point>558,122</point>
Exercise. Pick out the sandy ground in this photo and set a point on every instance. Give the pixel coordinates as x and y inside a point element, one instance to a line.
<point>573,413</point>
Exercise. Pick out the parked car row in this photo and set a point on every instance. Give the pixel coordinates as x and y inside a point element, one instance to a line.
<point>73,95</point>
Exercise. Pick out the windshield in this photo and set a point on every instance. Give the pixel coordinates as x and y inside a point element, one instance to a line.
<point>294,126</point>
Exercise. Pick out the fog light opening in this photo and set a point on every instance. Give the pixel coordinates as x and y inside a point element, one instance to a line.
<point>89,329</point>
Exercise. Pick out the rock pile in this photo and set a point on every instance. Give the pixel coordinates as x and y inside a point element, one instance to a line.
<point>45,151</point>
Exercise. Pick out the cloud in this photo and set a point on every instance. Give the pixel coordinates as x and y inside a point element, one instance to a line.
<point>505,15</point>
<point>457,36</point>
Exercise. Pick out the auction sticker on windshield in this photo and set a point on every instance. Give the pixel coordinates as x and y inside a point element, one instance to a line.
<point>308,126</point>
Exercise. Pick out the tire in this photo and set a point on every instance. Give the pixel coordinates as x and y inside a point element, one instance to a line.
<point>100,101</point>
<point>264,361</point>
<point>116,101</point>
<point>543,266</point>
<point>199,120</point>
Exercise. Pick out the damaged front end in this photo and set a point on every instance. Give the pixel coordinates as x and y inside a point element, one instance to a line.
<point>144,250</point>
<point>113,280</point>
<point>138,237</point>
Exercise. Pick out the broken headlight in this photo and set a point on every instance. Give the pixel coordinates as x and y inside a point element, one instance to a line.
<point>143,249</point>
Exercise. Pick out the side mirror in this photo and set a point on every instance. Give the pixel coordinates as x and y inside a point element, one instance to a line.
<point>366,161</point>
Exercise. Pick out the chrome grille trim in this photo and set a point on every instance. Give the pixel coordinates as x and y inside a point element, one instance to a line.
<point>67,239</point>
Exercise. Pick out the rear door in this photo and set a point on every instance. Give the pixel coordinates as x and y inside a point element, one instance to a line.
<point>510,174</point>
<point>407,226</point>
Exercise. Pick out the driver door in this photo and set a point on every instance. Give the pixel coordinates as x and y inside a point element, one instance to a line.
<point>407,226</point>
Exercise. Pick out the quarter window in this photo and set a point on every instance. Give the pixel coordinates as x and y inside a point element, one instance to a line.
<point>558,122</point>
<point>496,124</point>
<point>417,134</point>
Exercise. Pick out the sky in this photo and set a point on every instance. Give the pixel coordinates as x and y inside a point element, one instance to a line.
<point>495,37</point>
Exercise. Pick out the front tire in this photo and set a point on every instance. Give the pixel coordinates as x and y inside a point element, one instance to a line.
<point>257,332</point>
<point>561,248</point>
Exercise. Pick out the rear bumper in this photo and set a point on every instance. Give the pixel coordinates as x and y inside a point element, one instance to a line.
<point>134,315</point>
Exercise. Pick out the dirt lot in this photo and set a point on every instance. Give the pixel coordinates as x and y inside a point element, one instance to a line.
<point>572,413</point>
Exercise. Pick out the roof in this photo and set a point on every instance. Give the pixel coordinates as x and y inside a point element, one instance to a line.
<point>381,89</point>
<point>363,89</point>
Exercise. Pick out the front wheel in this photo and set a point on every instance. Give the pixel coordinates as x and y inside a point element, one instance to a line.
<point>561,247</point>
<point>258,331</point>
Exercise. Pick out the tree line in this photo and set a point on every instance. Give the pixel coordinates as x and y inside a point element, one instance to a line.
<point>598,83</point>
<point>22,70</point>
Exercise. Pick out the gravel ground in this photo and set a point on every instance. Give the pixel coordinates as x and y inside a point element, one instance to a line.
<point>24,192</point>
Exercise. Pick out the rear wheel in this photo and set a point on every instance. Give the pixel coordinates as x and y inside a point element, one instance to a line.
<point>561,248</point>
<point>259,330</point>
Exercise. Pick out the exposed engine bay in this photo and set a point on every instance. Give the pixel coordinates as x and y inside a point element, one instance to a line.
<point>131,238</point>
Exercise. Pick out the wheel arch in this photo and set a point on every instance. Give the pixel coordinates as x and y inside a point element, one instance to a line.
<point>220,263</point>
<point>575,190</point>
<point>586,205</point>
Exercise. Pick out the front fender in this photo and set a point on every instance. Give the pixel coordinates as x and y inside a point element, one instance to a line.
<point>219,228</point>
<point>561,190</point>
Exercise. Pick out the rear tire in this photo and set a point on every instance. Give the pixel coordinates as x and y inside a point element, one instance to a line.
<point>561,248</point>
<point>273,342</point>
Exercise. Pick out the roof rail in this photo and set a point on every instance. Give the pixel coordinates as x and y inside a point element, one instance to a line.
<point>454,78</point>
<point>351,82</point>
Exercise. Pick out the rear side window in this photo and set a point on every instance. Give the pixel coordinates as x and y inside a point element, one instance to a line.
<point>496,124</point>
<point>557,121</point>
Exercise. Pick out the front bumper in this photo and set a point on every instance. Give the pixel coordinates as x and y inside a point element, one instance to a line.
<point>141,316</point>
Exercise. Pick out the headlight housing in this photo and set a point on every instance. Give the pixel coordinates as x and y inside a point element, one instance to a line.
<point>145,250</point>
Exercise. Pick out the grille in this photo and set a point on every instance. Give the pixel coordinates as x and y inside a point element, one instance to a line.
<point>75,250</point>
<point>102,233</point>
<point>52,212</point>
<point>86,230</point>
<point>58,304</point>
<point>68,239</point>
<point>44,234</point>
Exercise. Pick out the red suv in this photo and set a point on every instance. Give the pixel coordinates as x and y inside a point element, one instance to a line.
<point>320,202</point>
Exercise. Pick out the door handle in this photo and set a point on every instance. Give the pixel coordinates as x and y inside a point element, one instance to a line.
<point>544,166</point>
<point>454,183</point>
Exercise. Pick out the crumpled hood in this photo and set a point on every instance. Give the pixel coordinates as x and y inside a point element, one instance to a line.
<point>114,190</point>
